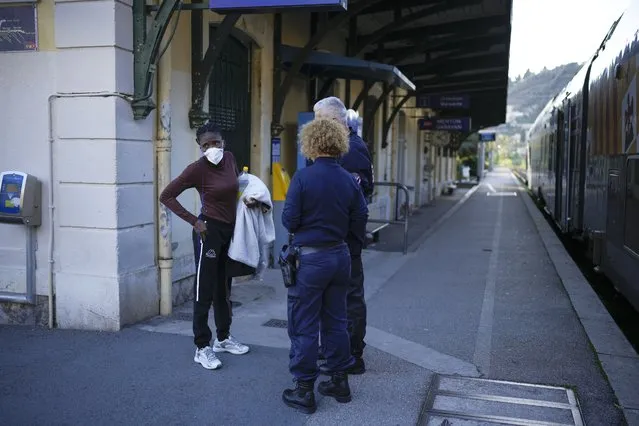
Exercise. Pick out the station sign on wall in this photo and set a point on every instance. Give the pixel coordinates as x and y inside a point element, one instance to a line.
<point>257,6</point>
<point>444,101</point>
<point>459,124</point>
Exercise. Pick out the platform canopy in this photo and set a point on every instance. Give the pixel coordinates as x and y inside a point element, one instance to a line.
<point>329,65</point>
<point>445,47</point>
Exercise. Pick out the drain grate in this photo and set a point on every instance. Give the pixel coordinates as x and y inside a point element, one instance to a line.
<point>455,400</point>
<point>276,323</point>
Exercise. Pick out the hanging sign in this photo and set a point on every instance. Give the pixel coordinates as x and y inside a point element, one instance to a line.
<point>444,101</point>
<point>461,124</point>
<point>487,137</point>
<point>258,6</point>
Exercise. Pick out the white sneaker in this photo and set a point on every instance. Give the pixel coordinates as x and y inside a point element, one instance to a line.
<point>231,346</point>
<point>207,358</point>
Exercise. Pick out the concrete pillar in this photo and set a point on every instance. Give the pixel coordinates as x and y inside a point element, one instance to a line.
<point>442,170</point>
<point>453,167</point>
<point>438,168</point>
<point>447,163</point>
<point>481,156</point>
<point>419,170</point>
<point>105,273</point>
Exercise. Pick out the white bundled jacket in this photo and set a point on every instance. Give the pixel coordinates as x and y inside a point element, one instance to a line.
<point>254,227</point>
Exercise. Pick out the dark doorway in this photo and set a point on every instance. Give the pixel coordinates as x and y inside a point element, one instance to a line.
<point>230,97</point>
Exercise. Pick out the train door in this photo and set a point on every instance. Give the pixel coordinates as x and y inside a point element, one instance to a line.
<point>614,209</point>
<point>558,166</point>
<point>573,164</point>
<point>631,207</point>
<point>566,165</point>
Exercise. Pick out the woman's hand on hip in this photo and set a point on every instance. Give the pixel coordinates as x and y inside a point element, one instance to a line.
<point>200,227</point>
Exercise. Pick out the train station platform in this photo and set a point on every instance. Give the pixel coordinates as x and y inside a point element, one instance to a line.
<point>487,321</point>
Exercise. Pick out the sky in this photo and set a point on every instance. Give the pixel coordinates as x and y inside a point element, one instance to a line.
<point>538,25</point>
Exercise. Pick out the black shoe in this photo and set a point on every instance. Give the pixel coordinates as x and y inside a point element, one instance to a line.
<point>337,387</point>
<point>359,367</point>
<point>301,398</point>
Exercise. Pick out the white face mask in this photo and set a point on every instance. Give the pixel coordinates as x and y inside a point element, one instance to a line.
<point>214,155</point>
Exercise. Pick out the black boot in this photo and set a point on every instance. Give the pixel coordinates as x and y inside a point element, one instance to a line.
<point>301,398</point>
<point>359,367</point>
<point>337,387</point>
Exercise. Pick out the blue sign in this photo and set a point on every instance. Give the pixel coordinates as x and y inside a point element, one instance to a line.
<point>461,124</point>
<point>18,28</point>
<point>258,5</point>
<point>276,150</point>
<point>444,102</point>
<point>487,137</point>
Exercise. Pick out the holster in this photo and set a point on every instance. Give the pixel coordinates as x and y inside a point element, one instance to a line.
<point>289,262</point>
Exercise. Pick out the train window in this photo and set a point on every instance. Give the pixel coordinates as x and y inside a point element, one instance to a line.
<point>631,232</point>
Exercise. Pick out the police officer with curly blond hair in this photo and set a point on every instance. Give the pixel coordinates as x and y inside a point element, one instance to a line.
<point>324,205</point>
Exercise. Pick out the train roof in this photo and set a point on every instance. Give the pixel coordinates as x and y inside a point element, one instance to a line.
<point>575,85</point>
<point>621,42</point>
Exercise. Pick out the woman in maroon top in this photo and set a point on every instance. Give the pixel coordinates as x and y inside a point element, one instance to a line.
<point>215,178</point>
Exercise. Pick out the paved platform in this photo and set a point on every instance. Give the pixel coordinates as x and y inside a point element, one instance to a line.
<point>489,293</point>
<point>421,223</point>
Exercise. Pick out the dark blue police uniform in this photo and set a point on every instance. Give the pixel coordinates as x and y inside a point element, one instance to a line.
<point>357,160</point>
<point>323,206</point>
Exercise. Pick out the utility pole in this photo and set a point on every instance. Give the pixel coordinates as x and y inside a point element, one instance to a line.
<point>481,158</point>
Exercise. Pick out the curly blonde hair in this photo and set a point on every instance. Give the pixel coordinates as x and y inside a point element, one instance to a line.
<point>323,137</point>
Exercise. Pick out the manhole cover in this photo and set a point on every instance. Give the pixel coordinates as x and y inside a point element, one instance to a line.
<point>463,401</point>
<point>276,323</point>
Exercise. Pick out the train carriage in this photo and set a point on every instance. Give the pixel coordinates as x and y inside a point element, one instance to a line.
<point>584,155</point>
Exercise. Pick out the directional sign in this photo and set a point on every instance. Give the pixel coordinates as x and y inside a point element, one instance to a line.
<point>444,101</point>
<point>460,124</point>
<point>487,137</point>
<point>260,5</point>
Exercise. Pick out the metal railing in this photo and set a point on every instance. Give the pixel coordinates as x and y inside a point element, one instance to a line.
<point>404,222</point>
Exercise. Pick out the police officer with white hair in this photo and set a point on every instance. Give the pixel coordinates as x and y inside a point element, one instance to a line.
<point>357,162</point>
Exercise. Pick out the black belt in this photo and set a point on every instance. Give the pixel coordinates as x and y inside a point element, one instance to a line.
<point>316,249</point>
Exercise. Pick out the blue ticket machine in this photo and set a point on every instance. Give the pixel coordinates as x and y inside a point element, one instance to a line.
<point>21,204</point>
<point>20,199</point>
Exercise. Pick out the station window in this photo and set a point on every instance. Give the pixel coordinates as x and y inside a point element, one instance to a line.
<point>631,232</point>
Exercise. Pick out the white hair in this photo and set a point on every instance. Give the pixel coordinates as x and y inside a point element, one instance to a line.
<point>331,108</point>
<point>352,120</point>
